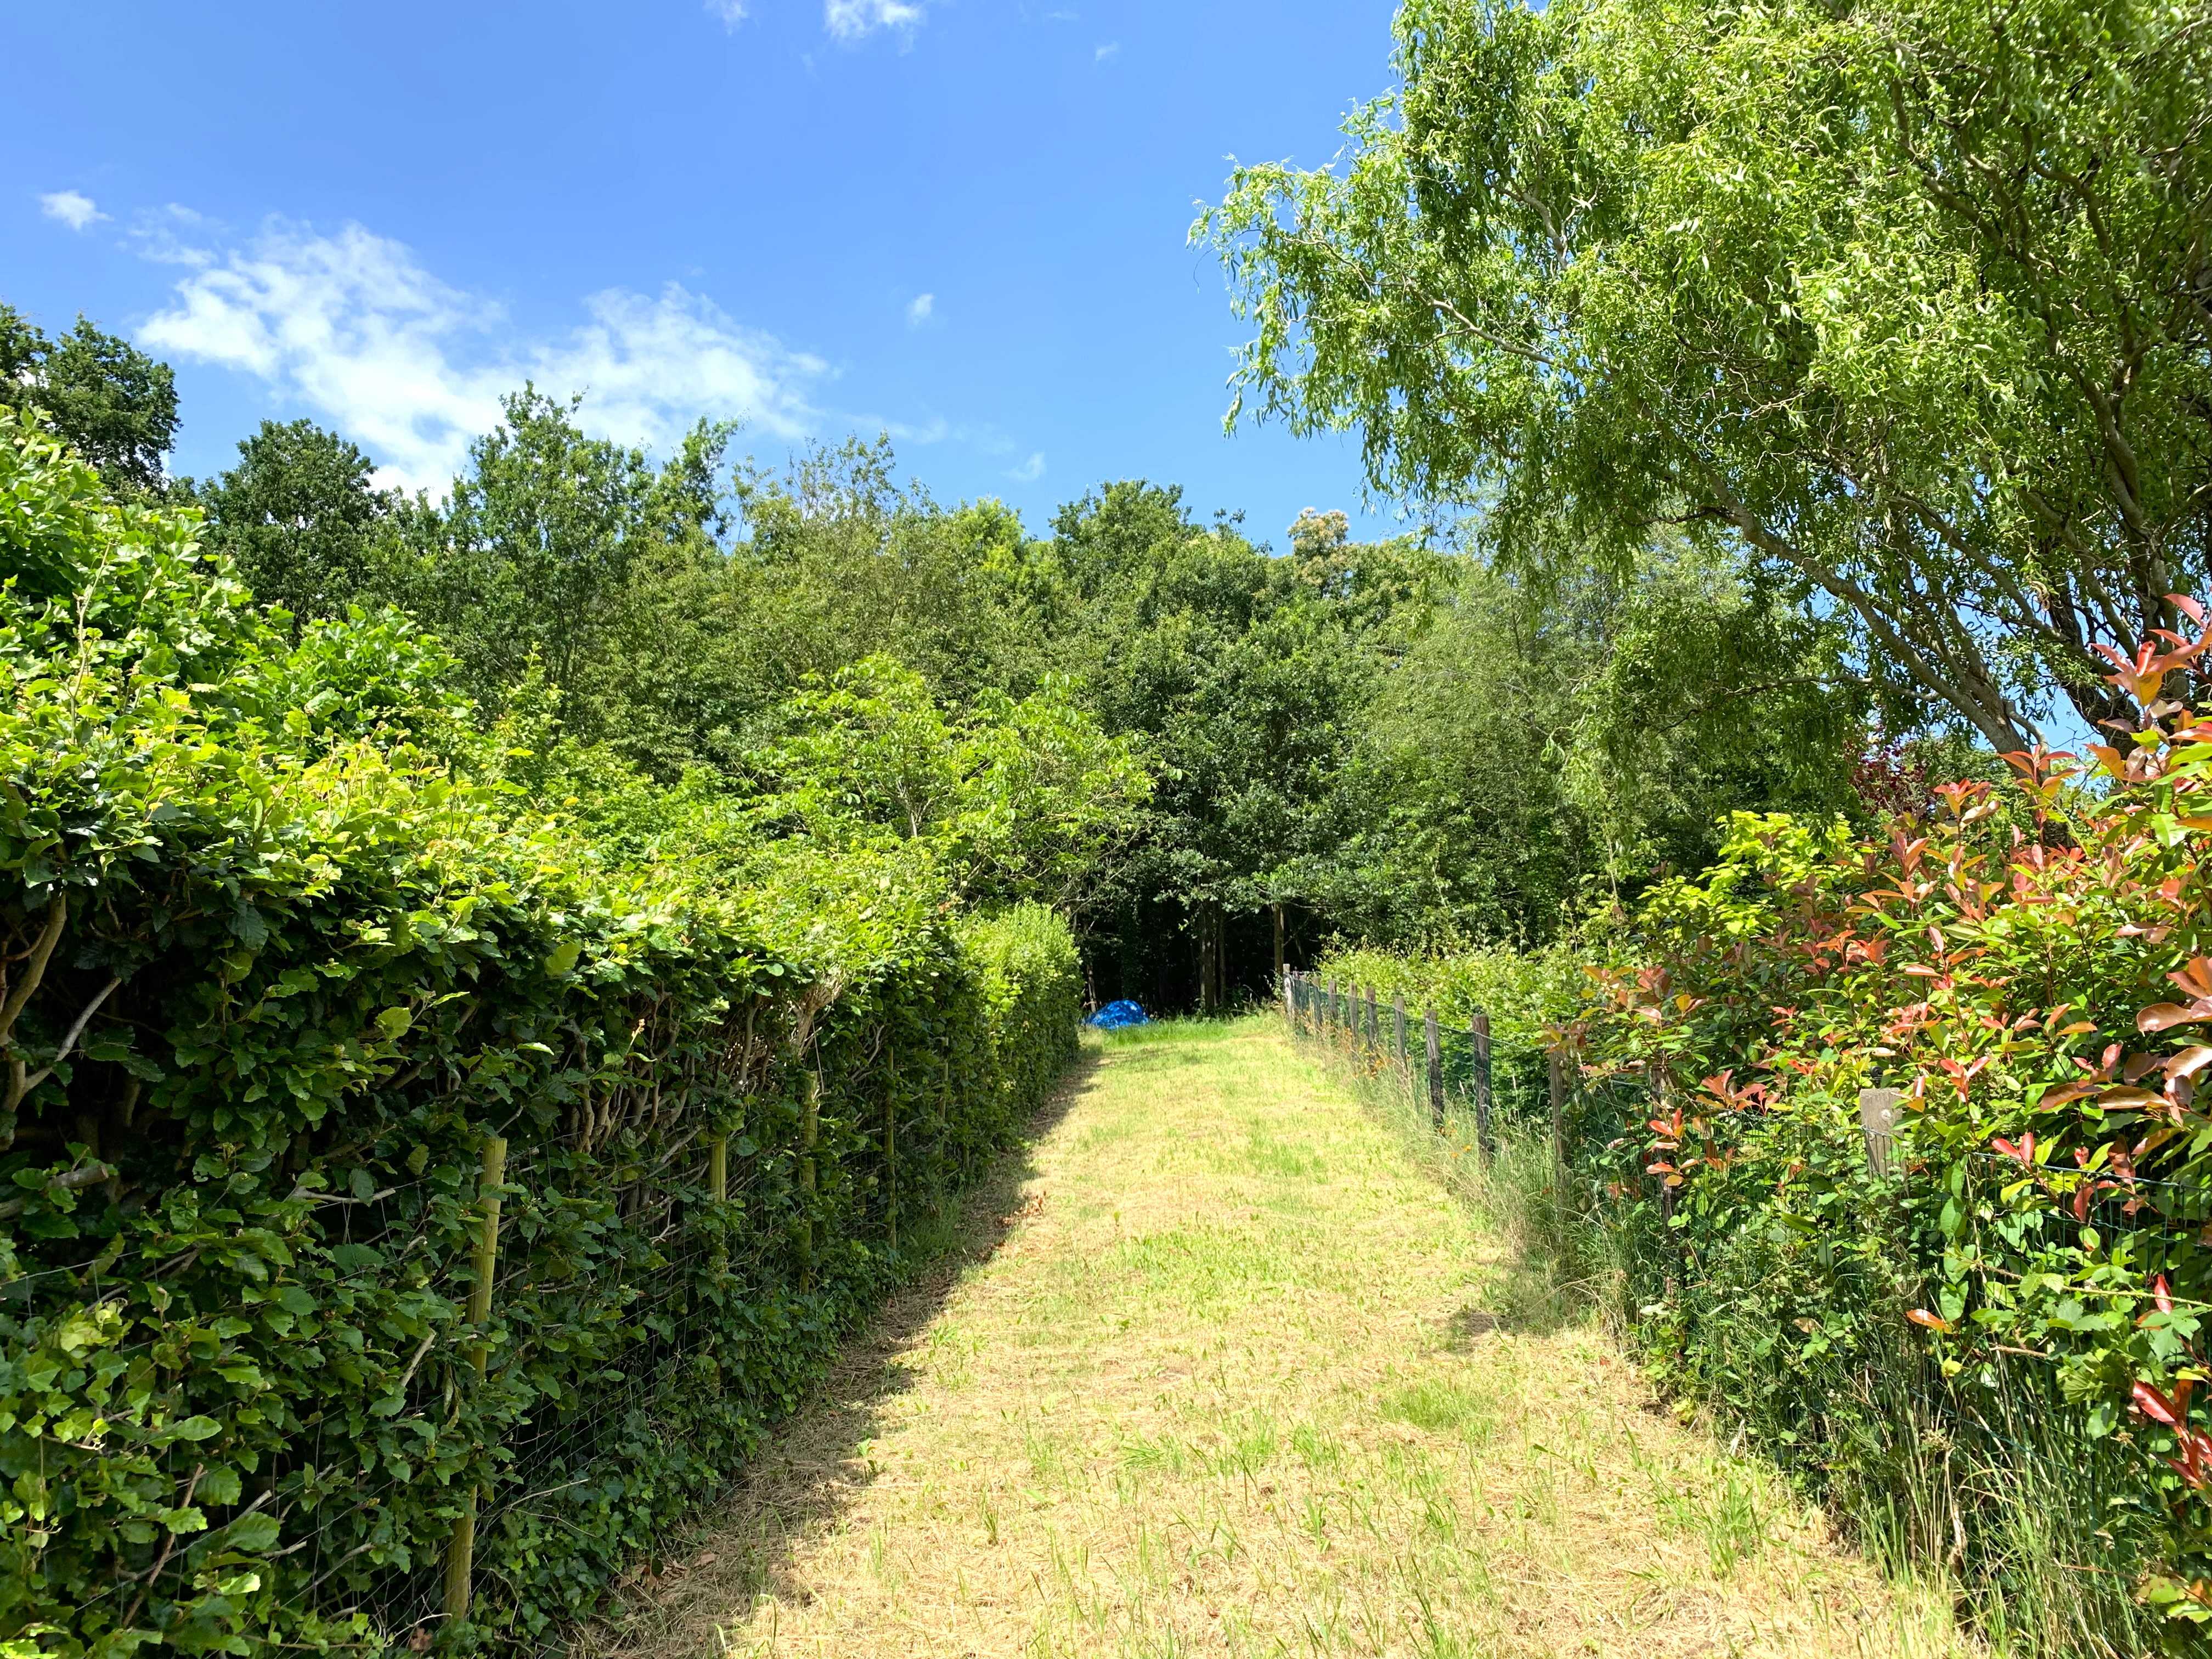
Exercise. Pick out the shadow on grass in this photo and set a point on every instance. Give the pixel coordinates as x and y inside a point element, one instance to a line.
<point>813,1466</point>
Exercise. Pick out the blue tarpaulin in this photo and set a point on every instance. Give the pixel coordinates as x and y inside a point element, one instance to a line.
<point>1115,1015</point>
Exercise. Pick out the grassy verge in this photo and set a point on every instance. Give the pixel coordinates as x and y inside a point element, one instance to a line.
<point>2039,1496</point>
<point>1220,1367</point>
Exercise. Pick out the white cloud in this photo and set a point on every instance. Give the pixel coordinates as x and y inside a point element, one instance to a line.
<point>853,20</point>
<point>732,12</point>
<point>174,235</point>
<point>918,309</point>
<point>77,210</point>
<point>1111,48</point>
<point>355,329</point>
<point>1030,471</point>
<point>935,430</point>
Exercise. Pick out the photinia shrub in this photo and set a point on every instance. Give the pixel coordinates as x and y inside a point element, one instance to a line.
<point>2030,968</point>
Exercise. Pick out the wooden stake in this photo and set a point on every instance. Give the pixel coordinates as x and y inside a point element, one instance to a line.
<point>810,1126</point>
<point>1436,1069</point>
<point>1556,1076</point>
<point>1398,1016</point>
<point>1480,1032</point>
<point>718,1188</point>
<point>460,1554</point>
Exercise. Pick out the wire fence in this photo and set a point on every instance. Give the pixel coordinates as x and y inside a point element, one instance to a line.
<point>1603,1129</point>
<point>1459,1069</point>
<point>533,1337</point>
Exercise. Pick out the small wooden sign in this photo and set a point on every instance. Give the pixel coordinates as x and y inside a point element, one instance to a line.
<point>1878,1114</point>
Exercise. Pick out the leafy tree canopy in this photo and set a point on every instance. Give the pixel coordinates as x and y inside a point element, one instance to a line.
<point>1021,799</point>
<point>300,515</point>
<point>1545,745</point>
<point>1908,297</point>
<point>106,399</point>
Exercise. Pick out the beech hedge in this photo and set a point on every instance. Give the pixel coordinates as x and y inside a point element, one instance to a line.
<point>278,962</point>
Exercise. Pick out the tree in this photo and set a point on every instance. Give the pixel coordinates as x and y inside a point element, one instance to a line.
<point>1246,676</point>
<point>300,515</point>
<point>531,561</point>
<point>832,562</point>
<point>1021,799</point>
<point>1543,745</point>
<point>106,399</point>
<point>1909,296</point>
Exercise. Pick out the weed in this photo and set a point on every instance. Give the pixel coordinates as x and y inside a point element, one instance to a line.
<point>1440,1407</point>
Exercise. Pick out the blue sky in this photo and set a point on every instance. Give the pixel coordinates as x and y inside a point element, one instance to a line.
<point>962,221</point>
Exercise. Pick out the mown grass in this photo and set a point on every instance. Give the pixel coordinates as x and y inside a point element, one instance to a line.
<point>2040,1495</point>
<point>1240,1375</point>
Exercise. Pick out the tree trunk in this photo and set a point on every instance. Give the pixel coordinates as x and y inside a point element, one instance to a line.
<point>1279,964</point>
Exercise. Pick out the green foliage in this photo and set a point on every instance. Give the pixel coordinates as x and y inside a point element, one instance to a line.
<point>531,559</point>
<point>1018,800</point>
<point>2039,1256</point>
<point>110,402</point>
<point>834,564</point>
<point>1032,983</point>
<point>1248,677</point>
<point>273,972</point>
<point>298,517</point>
<point>1886,293</point>
<point>1377,740</point>
<point>1542,746</point>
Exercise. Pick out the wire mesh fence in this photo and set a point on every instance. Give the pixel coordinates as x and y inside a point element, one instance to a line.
<point>1603,1127</point>
<point>613,1303</point>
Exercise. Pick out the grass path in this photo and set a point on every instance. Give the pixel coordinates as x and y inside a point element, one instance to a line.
<point>1218,1370</point>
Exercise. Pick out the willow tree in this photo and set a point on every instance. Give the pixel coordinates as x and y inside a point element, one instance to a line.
<point>1911,297</point>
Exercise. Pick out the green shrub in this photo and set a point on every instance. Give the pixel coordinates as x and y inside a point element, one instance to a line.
<point>275,969</point>
<point>1525,993</point>
<point>1985,1350</point>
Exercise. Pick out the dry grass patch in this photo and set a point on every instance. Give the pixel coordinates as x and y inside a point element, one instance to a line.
<point>1235,1382</point>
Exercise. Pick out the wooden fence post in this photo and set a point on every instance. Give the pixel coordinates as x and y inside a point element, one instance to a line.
<point>1398,1017</point>
<point>1479,1030</point>
<point>810,1126</point>
<point>1436,1070</point>
<point>890,1157</point>
<point>1556,1075</point>
<point>1290,1010</point>
<point>460,1553</point>
<point>718,1189</point>
<point>1878,1116</point>
<point>1373,1025</point>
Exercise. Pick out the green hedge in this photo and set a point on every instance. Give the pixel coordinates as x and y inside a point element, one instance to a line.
<point>275,970</point>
